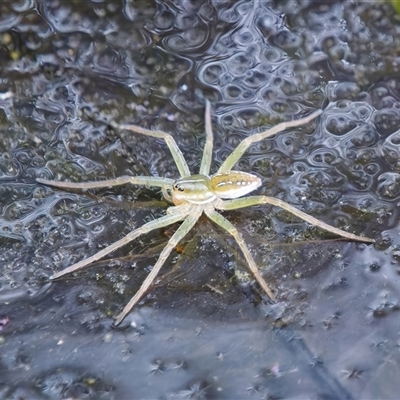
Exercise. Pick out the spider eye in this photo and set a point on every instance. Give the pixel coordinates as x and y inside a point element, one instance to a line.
<point>178,187</point>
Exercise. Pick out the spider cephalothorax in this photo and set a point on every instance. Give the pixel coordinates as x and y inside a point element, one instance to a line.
<point>193,195</point>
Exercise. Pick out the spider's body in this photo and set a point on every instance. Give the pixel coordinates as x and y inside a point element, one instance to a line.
<point>202,189</point>
<point>193,195</point>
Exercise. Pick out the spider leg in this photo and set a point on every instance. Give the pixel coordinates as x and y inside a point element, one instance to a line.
<point>134,180</point>
<point>169,140</point>
<point>233,158</point>
<point>225,224</point>
<point>173,241</point>
<point>258,200</point>
<point>208,147</point>
<point>155,224</point>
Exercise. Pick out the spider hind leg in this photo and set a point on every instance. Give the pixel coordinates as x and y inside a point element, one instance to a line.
<point>228,226</point>
<point>181,232</point>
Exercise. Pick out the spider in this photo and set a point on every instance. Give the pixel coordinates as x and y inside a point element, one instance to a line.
<point>193,195</point>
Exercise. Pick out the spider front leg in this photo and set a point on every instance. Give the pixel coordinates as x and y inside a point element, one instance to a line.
<point>164,183</point>
<point>258,200</point>
<point>208,147</point>
<point>234,157</point>
<point>226,225</point>
<point>169,140</point>
<point>122,180</point>
<point>181,232</point>
<point>175,151</point>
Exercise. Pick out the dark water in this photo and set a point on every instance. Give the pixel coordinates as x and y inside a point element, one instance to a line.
<point>70,68</point>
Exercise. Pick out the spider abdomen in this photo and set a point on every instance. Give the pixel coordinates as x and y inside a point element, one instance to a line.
<point>233,184</point>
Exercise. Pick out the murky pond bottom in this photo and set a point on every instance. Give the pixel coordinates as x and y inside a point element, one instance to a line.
<point>193,343</point>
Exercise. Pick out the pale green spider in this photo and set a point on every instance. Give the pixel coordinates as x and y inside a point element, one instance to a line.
<point>193,195</point>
